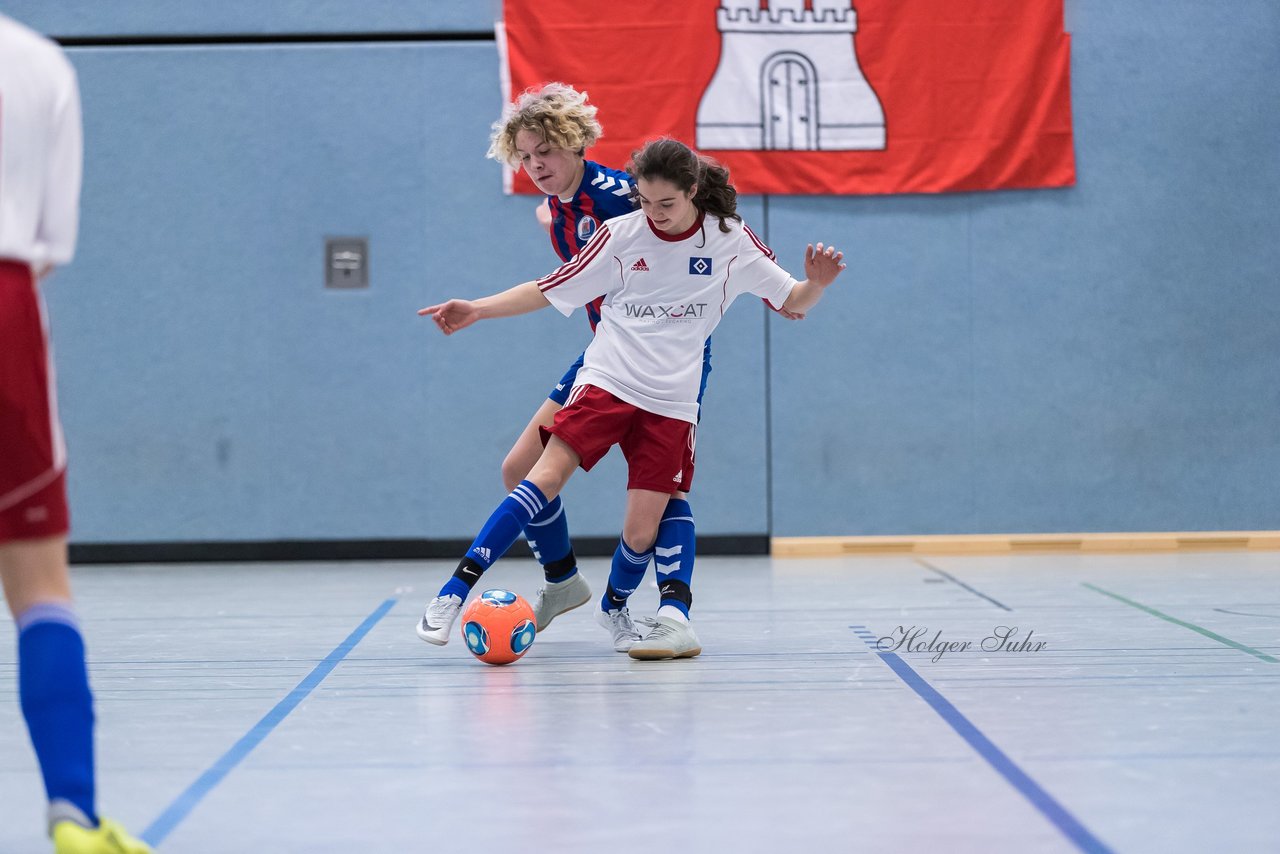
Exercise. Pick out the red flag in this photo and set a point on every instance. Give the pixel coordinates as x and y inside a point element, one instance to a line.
<point>817,96</point>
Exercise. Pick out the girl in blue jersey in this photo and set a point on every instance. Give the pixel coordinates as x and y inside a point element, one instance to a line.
<point>546,132</point>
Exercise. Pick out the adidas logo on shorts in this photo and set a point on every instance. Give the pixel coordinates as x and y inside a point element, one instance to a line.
<point>640,266</point>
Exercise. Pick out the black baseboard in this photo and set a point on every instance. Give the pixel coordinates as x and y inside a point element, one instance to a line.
<point>240,551</point>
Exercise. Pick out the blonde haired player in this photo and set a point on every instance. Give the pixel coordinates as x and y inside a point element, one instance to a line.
<point>40,167</point>
<point>560,118</point>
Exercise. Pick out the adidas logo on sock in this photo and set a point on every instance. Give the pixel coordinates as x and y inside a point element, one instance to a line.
<point>482,553</point>
<point>640,266</point>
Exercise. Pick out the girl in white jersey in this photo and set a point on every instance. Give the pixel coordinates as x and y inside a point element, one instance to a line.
<point>546,132</point>
<point>668,272</point>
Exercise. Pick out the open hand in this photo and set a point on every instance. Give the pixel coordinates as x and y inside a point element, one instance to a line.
<point>452,315</point>
<point>821,266</point>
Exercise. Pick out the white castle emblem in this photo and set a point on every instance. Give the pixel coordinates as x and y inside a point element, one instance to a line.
<point>789,79</point>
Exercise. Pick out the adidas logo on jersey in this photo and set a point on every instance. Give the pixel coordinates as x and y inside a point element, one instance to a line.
<point>640,266</point>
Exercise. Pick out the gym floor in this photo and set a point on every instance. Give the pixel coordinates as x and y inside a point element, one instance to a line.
<point>839,705</point>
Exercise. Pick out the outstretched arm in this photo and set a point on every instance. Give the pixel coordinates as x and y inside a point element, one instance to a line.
<point>821,268</point>
<point>460,313</point>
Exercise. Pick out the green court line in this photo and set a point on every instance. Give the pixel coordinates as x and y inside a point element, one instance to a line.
<point>1213,635</point>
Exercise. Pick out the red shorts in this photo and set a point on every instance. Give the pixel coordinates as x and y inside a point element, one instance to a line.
<point>658,449</point>
<point>33,494</point>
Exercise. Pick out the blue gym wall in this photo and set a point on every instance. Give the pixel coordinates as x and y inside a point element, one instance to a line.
<point>1101,358</point>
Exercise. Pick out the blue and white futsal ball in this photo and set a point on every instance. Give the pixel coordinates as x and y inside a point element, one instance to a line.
<point>498,626</point>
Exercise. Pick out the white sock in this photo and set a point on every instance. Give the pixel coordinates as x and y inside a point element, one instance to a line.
<point>671,612</point>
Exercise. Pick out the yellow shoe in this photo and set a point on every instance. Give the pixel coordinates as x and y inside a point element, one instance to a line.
<point>107,838</point>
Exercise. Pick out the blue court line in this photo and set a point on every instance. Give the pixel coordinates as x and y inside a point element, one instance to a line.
<point>995,757</point>
<point>955,580</point>
<point>187,801</point>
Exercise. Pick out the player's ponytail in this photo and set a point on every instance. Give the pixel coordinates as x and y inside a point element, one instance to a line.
<point>715,194</point>
<point>672,160</point>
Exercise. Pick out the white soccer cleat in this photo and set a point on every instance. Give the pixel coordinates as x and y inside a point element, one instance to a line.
<point>667,638</point>
<point>437,622</point>
<point>618,622</point>
<point>554,599</point>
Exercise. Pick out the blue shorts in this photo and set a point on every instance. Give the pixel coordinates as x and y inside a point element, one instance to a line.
<point>561,392</point>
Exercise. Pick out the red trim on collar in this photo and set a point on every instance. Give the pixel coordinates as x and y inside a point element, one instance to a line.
<point>684,235</point>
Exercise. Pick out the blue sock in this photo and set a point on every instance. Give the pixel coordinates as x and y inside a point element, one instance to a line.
<point>625,576</point>
<point>497,535</point>
<point>674,553</point>
<point>53,686</point>
<point>548,536</point>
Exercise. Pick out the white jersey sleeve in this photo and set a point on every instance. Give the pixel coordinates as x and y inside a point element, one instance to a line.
<point>759,273</point>
<point>591,273</point>
<point>60,214</point>
<point>41,148</point>
<point>59,220</point>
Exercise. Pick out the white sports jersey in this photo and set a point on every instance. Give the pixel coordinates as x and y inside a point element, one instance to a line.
<point>663,295</point>
<point>40,148</point>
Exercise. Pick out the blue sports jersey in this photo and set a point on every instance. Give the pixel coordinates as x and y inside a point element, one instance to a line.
<point>603,194</point>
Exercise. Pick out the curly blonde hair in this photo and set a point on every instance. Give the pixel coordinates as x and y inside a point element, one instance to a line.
<point>556,112</point>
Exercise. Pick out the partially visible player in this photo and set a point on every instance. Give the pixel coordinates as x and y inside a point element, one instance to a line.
<point>546,132</point>
<point>664,273</point>
<point>40,167</point>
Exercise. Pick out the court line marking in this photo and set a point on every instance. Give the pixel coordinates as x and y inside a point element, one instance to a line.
<point>1246,614</point>
<point>955,580</point>
<point>187,801</point>
<point>1045,803</point>
<point>1169,619</point>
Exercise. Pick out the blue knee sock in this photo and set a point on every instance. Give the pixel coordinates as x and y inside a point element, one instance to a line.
<point>625,576</point>
<point>497,535</point>
<point>53,686</point>
<point>548,536</point>
<point>674,553</point>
